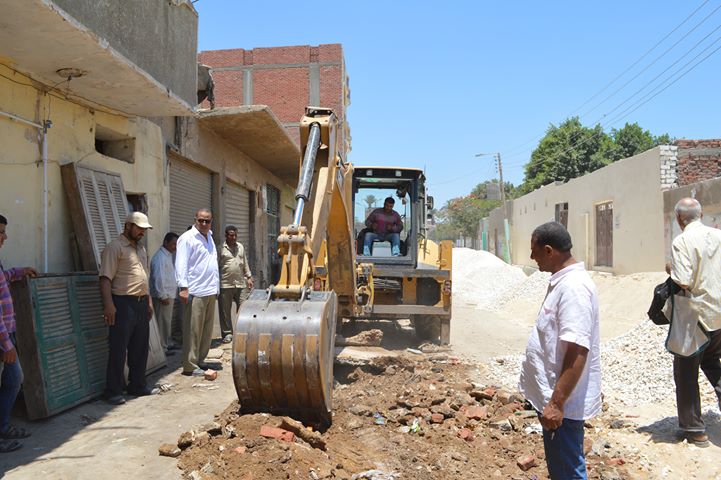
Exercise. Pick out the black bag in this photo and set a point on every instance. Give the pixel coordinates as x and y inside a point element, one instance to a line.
<point>661,293</point>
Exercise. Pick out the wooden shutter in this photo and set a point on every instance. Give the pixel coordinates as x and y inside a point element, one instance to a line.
<point>98,208</point>
<point>63,339</point>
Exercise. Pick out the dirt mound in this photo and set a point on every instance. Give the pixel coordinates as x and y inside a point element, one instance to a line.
<point>416,420</point>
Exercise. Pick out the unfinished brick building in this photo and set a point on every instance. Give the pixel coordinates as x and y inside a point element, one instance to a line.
<point>287,79</point>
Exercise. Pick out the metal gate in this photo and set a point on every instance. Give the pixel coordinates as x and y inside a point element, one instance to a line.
<point>604,234</point>
<point>237,212</point>
<point>191,188</point>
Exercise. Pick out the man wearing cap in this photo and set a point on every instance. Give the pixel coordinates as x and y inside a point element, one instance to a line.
<point>196,270</point>
<point>386,225</point>
<point>235,277</point>
<point>127,309</point>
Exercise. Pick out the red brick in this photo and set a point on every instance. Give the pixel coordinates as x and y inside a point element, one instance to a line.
<point>526,462</point>
<point>466,434</point>
<point>210,375</point>
<point>437,418</point>
<point>276,433</point>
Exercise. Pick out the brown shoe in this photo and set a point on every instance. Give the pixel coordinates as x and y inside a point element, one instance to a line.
<point>699,439</point>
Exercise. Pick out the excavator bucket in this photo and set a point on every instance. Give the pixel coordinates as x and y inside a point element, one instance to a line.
<point>283,355</point>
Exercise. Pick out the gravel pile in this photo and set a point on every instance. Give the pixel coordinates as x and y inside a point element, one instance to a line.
<point>532,289</point>
<point>636,369</point>
<point>479,277</point>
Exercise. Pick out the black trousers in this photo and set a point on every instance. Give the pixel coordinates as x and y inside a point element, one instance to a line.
<point>685,375</point>
<point>128,339</point>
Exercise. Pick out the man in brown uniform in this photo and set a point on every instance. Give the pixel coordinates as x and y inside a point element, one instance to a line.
<point>235,277</point>
<point>127,309</point>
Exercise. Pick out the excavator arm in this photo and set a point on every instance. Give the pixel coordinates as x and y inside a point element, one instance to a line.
<point>284,336</point>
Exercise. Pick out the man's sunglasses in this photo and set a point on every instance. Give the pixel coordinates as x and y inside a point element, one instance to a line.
<point>203,220</point>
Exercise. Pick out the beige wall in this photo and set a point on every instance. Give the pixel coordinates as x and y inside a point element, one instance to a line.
<point>633,184</point>
<point>71,139</point>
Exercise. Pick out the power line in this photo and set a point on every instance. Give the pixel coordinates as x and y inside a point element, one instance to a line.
<point>647,84</point>
<point>643,70</point>
<point>664,38</point>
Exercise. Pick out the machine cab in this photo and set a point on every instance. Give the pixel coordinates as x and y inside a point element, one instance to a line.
<point>389,212</point>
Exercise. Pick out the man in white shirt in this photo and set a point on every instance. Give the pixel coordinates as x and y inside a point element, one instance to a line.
<point>163,288</point>
<point>561,374</point>
<point>196,270</point>
<point>696,267</point>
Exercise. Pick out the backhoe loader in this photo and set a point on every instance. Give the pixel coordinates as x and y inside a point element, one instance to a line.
<point>283,344</point>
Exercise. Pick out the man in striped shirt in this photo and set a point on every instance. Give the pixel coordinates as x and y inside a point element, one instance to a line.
<point>12,374</point>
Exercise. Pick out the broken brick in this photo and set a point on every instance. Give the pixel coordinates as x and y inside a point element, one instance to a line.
<point>466,434</point>
<point>276,433</point>
<point>210,375</point>
<point>526,462</point>
<point>169,450</point>
<point>239,450</point>
<point>437,418</point>
<point>476,412</point>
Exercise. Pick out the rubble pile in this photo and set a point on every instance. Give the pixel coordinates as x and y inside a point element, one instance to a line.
<point>396,418</point>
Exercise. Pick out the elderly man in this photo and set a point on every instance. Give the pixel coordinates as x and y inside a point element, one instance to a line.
<point>11,377</point>
<point>235,277</point>
<point>127,309</point>
<point>696,268</point>
<point>196,270</point>
<point>163,288</point>
<point>561,374</point>
<point>386,225</point>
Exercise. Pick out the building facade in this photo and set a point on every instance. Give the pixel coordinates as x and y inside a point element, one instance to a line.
<point>286,79</point>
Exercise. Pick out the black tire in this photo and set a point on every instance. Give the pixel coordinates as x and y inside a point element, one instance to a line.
<point>428,327</point>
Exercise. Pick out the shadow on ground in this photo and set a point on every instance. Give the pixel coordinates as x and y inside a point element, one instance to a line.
<point>666,429</point>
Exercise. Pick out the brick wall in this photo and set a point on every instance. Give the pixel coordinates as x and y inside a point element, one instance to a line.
<point>698,160</point>
<point>287,79</point>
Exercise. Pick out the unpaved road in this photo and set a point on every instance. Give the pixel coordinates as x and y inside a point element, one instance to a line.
<point>97,440</point>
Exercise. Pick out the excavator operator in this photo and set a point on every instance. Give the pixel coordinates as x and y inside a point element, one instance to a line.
<point>385,225</point>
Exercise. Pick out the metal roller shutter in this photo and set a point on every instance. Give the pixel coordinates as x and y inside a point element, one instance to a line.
<point>191,188</point>
<point>237,211</point>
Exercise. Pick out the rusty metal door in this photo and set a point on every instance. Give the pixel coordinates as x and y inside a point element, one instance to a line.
<point>604,234</point>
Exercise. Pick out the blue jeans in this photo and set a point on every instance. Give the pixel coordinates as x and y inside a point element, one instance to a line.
<point>394,238</point>
<point>10,381</point>
<point>564,451</point>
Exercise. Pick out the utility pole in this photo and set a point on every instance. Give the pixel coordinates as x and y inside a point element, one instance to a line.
<point>506,228</point>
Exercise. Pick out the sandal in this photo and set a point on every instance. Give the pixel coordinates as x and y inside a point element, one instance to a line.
<point>7,446</point>
<point>14,433</point>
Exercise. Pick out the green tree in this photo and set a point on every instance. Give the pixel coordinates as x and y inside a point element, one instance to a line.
<point>565,152</point>
<point>370,200</point>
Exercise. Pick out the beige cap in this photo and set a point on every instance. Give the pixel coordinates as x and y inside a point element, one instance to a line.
<point>139,219</point>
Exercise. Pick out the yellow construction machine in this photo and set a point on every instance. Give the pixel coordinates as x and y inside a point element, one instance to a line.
<point>283,346</point>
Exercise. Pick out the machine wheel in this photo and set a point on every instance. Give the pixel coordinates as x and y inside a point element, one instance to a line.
<point>428,327</point>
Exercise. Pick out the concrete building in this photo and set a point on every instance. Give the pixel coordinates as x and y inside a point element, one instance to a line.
<point>240,163</point>
<point>75,82</point>
<point>621,216</point>
<point>614,215</point>
<point>287,79</point>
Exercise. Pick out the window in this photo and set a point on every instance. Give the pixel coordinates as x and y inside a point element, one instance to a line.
<point>114,144</point>
<point>369,196</point>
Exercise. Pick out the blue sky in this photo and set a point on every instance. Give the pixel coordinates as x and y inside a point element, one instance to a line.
<point>432,84</point>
